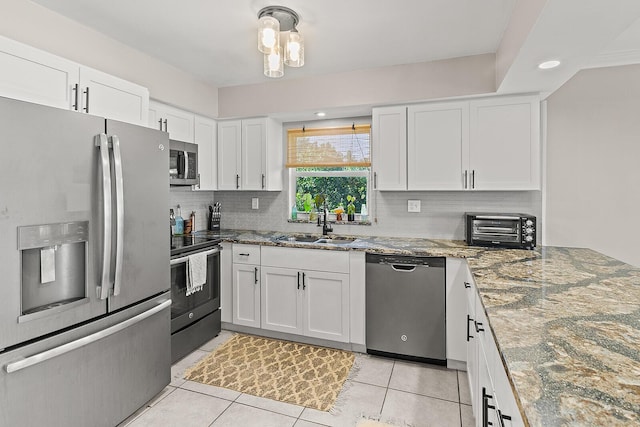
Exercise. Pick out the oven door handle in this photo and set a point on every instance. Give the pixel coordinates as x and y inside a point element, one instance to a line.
<point>185,258</point>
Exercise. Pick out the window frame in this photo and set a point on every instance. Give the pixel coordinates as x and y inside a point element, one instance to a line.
<point>293,173</point>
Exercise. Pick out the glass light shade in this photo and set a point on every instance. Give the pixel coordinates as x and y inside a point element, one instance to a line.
<point>273,63</point>
<point>268,34</point>
<point>294,50</point>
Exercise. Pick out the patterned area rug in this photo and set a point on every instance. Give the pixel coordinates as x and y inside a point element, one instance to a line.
<point>280,370</point>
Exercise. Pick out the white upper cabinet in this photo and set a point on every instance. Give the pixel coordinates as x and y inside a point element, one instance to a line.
<point>505,143</point>
<point>437,143</point>
<point>486,144</point>
<point>108,96</point>
<point>389,148</point>
<point>178,123</point>
<point>250,155</point>
<point>36,76</point>
<point>205,135</point>
<point>229,152</point>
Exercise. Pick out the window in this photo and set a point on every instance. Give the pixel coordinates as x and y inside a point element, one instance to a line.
<point>333,163</point>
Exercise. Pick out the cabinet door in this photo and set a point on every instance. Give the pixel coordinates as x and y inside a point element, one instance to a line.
<point>326,305</point>
<point>389,148</point>
<point>246,295</point>
<point>111,97</point>
<point>472,351</point>
<point>205,136</point>
<point>281,303</point>
<point>32,75</point>
<point>456,309</point>
<point>505,144</point>
<point>229,150</point>
<point>178,123</point>
<point>254,143</point>
<point>437,143</point>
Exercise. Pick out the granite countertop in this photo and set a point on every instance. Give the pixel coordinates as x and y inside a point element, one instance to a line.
<point>566,322</point>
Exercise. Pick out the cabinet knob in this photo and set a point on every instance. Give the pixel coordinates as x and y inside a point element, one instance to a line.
<point>467,285</point>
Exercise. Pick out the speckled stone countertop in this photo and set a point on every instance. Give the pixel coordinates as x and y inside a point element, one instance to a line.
<point>566,322</point>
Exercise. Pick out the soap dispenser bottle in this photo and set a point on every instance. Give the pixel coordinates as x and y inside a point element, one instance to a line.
<point>179,222</point>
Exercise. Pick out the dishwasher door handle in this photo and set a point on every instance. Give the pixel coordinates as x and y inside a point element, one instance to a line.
<point>403,268</point>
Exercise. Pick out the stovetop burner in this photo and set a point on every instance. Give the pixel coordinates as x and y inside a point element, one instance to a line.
<point>192,243</point>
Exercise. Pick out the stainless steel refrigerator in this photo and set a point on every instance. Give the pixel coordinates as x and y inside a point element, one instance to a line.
<point>84,267</point>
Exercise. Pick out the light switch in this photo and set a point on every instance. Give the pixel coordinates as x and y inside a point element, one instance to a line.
<point>413,206</point>
<point>254,203</point>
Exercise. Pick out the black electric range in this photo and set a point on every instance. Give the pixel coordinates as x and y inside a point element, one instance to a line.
<point>182,244</point>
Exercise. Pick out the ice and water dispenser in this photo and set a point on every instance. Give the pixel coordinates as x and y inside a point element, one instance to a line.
<point>54,266</point>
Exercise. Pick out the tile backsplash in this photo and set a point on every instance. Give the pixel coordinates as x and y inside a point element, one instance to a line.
<point>441,215</point>
<point>191,201</point>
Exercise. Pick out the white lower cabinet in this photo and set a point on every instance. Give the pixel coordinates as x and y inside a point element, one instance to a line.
<point>246,295</point>
<point>296,291</point>
<point>246,285</point>
<point>306,302</point>
<point>491,395</point>
<point>282,306</point>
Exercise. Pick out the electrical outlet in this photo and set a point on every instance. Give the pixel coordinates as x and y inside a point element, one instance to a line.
<point>413,205</point>
<point>254,203</point>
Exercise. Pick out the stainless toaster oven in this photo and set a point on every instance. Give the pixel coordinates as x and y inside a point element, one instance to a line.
<point>511,230</point>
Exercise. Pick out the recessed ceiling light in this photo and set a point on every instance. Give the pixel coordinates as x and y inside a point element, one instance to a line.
<point>321,114</point>
<point>548,64</point>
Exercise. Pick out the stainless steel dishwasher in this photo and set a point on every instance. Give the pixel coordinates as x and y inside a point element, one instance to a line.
<point>405,307</point>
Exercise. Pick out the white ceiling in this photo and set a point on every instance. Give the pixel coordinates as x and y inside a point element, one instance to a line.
<point>216,40</point>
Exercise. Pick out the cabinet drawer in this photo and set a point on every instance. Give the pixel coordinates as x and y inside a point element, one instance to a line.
<point>246,254</point>
<point>306,259</point>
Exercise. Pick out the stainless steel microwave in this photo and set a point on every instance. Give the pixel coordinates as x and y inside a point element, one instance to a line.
<point>183,163</point>
<point>511,230</point>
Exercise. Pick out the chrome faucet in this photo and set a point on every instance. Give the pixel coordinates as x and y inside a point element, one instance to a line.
<point>325,228</point>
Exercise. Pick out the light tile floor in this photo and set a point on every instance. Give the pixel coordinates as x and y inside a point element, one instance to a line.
<point>391,391</point>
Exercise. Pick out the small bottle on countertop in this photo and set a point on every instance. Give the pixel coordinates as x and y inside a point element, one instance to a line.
<point>172,222</point>
<point>294,212</point>
<point>179,222</point>
<point>193,221</point>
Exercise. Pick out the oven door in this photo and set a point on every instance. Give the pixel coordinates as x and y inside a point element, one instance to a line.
<point>187,309</point>
<point>496,231</point>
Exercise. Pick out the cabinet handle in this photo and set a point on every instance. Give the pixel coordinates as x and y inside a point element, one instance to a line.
<point>375,180</point>
<point>255,275</point>
<point>166,129</point>
<point>263,181</point>
<point>75,97</point>
<point>304,285</point>
<point>466,179</point>
<point>237,181</point>
<point>243,254</point>
<point>298,280</point>
<point>479,327</point>
<point>469,336</point>
<point>160,122</point>
<point>86,105</point>
<point>502,417</point>
<point>486,407</point>
<point>467,285</point>
<point>473,178</point>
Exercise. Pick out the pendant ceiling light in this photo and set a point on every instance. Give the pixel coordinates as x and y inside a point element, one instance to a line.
<point>272,21</point>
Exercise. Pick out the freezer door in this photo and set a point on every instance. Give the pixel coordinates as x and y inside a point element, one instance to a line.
<point>140,231</point>
<point>94,375</point>
<point>47,177</point>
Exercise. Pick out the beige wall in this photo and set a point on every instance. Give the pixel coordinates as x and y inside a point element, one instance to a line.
<point>593,163</point>
<point>397,84</point>
<point>34,25</point>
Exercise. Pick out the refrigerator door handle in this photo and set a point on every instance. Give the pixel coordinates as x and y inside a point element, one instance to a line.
<point>102,143</point>
<point>74,345</point>
<point>117,166</point>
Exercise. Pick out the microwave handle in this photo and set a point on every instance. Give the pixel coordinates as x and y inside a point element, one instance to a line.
<point>186,165</point>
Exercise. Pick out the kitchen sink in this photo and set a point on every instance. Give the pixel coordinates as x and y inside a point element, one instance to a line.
<point>336,240</point>
<point>300,239</point>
